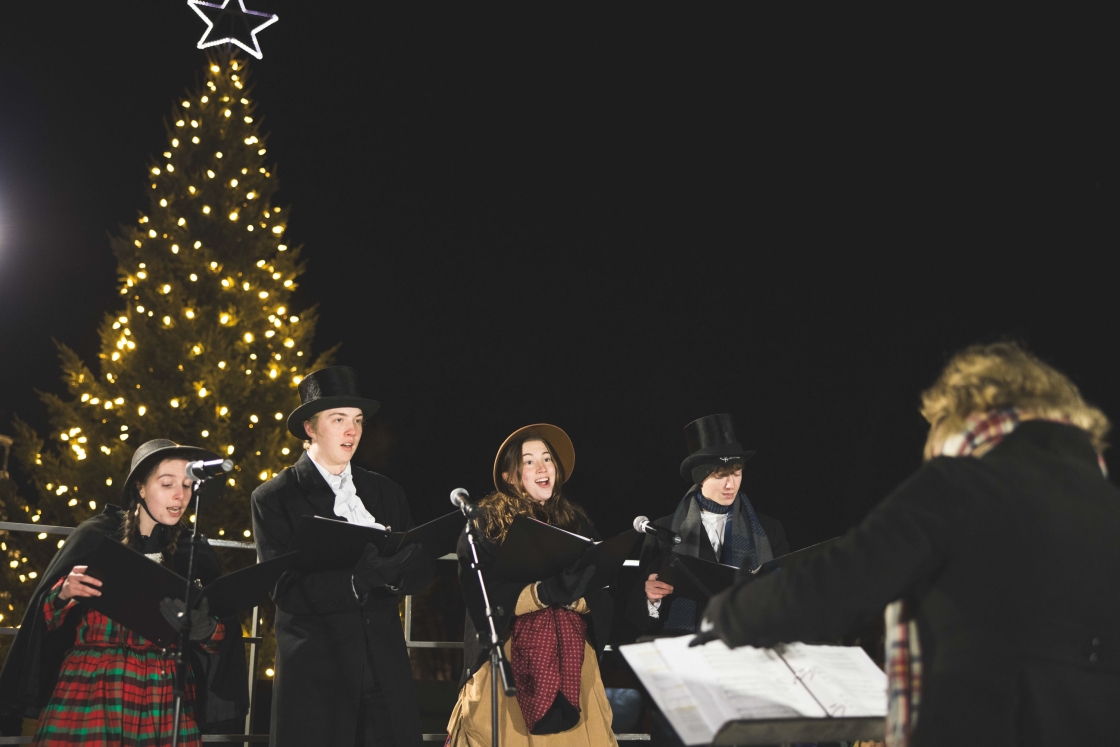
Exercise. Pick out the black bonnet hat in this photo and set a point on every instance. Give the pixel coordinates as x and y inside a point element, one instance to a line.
<point>153,452</point>
<point>711,440</point>
<point>320,390</point>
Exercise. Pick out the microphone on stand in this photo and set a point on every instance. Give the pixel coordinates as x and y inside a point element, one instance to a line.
<point>201,470</point>
<point>645,526</point>
<point>461,500</point>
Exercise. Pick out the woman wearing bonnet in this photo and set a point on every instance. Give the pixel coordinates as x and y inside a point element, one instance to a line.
<point>94,681</point>
<point>997,563</point>
<point>553,630</point>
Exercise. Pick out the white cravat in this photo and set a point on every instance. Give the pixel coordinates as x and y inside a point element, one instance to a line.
<point>347,504</point>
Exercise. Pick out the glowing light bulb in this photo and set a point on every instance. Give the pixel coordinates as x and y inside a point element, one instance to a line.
<point>195,140</point>
<point>191,189</point>
<point>263,294</point>
<point>233,182</point>
<point>203,391</point>
<point>279,416</point>
<point>163,203</point>
<point>253,419</point>
<point>141,410</point>
<point>233,215</point>
<point>140,309</point>
<point>206,434</point>
<point>222,365</point>
<point>167,320</point>
<point>206,210</point>
<point>251,195</point>
<point>224,318</point>
<point>186,105</point>
<point>248,337</point>
<point>180,123</point>
<point>227,113</point>
<point>210,173</point>
<point>278,230</point>
<point>166,289</point>
<point>174,248</point>
<point>223,410</point>
<point>174,403</point>
<point>182,221</point>
<point>261,152</point>
<point>141,274</point>
<point>204,99</point>
<point>214,68</point>
<point>218,154</point>
<point>283,247</point>
<point>174,143</point>
<point>197,244</point>
<point>229,449</point>
<point>194,277</point>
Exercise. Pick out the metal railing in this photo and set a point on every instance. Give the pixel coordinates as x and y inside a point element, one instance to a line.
<point>254,640</point>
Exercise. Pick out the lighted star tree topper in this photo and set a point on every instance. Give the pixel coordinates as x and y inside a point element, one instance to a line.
<point>231,25</point>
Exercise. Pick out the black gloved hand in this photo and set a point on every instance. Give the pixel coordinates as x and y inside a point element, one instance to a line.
<point>566,587</point>
<point>202,624</point>
<point>374,570</point>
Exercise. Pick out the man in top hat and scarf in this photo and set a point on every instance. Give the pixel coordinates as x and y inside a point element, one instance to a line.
<point>715,521</point>
<point>343,675</point>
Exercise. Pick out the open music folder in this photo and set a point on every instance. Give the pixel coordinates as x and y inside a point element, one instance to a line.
<point>133,587</point>
<point>791,693</point>
<point>534,551</point>
<point>333,544</point>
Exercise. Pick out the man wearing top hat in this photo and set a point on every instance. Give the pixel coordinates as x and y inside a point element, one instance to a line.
<point>343,675</point>
<point>716,522</point>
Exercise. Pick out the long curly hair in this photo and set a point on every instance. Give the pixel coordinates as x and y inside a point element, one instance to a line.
<point>130,529</point>
<point>501,507</point>
<point>1000,376</point>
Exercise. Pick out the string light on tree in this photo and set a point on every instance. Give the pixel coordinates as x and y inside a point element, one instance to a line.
<point>188,336</point>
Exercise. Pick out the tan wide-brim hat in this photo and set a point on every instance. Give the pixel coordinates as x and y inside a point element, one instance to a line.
<point>565,453</point>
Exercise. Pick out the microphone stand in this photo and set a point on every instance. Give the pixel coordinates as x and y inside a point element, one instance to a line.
<point>180,655</point>
<point>499,665</point>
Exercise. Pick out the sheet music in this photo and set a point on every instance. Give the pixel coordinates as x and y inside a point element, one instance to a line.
<point>701,689</point>
<point>842,678</point>
<point>669,693</point>
<point>742,683</point>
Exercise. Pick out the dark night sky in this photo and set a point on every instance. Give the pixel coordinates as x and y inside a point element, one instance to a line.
<point>613,223</point>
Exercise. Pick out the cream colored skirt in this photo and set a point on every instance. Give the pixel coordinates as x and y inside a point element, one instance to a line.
<point>470,720</point>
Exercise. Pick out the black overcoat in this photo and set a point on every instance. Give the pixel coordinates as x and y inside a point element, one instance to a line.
<point>653,549</point>
<point>323,634</point>
<point>35,659</point>
<point>503,594</point>
<point>1012,564</point>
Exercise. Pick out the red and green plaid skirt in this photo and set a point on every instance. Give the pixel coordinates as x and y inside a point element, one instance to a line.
<point>115,687</point>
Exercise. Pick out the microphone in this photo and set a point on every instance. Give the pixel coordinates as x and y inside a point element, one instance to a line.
<point>645,526</point>
<point>461,500</point>
<point>201,470</point>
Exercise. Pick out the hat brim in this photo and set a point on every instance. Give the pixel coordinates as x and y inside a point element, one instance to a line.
<point>303,413</point>
<point>190,453</point>
<point>561,444</point>
<point>713,456</point>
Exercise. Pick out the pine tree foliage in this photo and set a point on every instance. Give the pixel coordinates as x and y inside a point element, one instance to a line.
<point>206,348</point>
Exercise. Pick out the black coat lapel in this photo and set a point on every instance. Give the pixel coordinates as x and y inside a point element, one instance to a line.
<point>313,486</point>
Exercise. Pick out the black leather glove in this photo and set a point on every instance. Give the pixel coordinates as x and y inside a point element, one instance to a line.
<point>202,624</point>
<point>374,570</point>
<point>565,588</point>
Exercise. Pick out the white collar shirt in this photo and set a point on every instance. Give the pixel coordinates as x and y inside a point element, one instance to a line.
<point>347,504</point>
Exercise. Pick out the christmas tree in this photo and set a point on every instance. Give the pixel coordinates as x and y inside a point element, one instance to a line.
<point>206,349</point>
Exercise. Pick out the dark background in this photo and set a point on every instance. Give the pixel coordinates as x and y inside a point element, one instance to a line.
<point>615,223</point>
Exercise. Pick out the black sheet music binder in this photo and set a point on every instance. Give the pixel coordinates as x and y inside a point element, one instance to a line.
<point>534,551</point>
<point>134,585</point>
<point>693,578</point>
<point>332,544</point>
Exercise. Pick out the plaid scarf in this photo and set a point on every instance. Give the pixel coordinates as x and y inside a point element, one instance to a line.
<point>903,651</point>
<point>744,544</point>
<point>546,655</point>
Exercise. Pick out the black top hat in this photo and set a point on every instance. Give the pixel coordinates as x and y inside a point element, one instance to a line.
<point>153,452</point>
<point>711,440</point>
<point>320,390</point>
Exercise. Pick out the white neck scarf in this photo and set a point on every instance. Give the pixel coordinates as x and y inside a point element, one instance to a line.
<point>347,504</point>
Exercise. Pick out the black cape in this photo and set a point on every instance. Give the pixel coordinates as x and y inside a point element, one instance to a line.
<point>33,664</point>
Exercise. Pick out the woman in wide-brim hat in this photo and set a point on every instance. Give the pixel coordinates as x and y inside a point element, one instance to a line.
<point>555,625</point>
<point>107,684</point>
